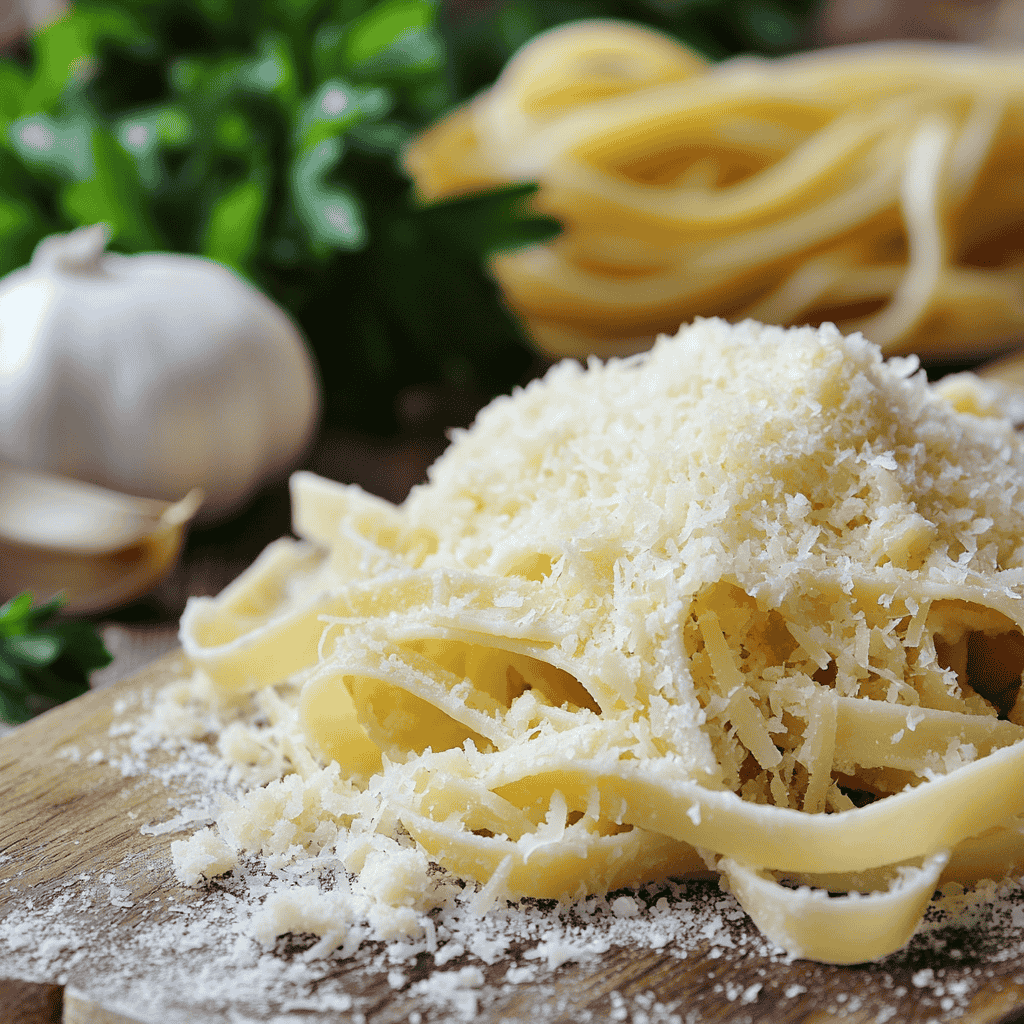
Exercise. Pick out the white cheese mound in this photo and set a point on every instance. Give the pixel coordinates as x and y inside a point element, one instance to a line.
<point>749,602</point>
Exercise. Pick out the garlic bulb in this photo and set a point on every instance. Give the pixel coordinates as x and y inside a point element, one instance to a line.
<point>150,374</point>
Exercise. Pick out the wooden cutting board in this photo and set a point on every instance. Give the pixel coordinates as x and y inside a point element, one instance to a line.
<point>88,900</point>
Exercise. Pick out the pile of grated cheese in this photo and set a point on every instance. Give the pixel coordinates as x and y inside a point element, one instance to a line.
<point>740,604</point>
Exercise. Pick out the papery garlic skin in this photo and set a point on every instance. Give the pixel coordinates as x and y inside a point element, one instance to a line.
<point>150,374</point>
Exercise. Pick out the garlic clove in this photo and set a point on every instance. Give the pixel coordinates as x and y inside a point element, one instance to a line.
<point>60,514</point>
<point>97,547</point>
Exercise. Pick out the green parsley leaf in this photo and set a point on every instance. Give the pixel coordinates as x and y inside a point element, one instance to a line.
<point>43,661</point>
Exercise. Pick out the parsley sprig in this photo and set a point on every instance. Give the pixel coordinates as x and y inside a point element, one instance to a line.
<point>43,660</point>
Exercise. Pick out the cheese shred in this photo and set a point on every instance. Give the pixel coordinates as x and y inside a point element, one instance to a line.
<point>752,601</point>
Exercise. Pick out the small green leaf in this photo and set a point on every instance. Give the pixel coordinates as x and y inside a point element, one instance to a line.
<point>331,214</point>
<point>61,146</point>
<point>336,107</point>
<point>13,709</point>
<point>43,660</point>
<point>396,41</point>
<point>386,25</point>
<point>38,650</point>
<point>113,193</point>
<point>42,613</point>
<point>493,221</point>
<point>413,55</point>
<point>63,52</point>
<point>83,644</point>
<point>233,230</point>
<point>272,72</point>
<point>14,614</point>
<point>13,90</point>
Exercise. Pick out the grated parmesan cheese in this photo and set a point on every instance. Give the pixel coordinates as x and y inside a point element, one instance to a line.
<point>646,617</point>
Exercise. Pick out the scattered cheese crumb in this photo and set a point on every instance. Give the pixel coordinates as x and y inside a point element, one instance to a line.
<point>203,855</point>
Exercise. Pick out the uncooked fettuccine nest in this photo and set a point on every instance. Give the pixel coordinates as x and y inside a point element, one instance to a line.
<point>878,187</point>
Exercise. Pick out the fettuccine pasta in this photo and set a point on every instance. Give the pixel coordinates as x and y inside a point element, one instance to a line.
<point>749,603</point>
<point>878,187</point>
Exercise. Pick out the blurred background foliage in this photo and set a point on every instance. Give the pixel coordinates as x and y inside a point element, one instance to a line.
<point>268,135</point>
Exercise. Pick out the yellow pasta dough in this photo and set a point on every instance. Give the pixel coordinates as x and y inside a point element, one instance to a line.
<point>879,187</point>
<point>749,603</point>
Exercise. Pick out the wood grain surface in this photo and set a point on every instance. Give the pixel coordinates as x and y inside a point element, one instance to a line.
<point>84,818</point>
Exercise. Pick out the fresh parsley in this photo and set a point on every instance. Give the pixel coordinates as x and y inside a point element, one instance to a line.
<point>43,660</point>
<point>268,135</point>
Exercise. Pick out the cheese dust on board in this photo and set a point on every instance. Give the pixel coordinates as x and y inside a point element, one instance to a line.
<point>668,952</point>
